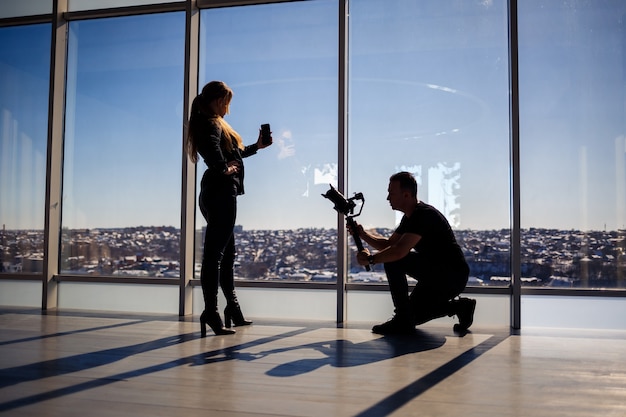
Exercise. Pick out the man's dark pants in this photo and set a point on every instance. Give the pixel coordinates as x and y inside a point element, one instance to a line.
<point>436,286</point>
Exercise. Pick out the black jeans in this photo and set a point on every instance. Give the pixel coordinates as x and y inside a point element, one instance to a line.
<point>219,208</point>
<point>431,296</point>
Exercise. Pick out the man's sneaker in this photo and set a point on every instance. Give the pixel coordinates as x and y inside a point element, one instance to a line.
<point>464,310</point>
<point>395,326</point>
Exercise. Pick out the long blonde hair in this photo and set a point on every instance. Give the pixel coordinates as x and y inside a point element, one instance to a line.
<point>201,109</point>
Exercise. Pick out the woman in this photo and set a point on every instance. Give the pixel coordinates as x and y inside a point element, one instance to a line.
<point>222,149</point>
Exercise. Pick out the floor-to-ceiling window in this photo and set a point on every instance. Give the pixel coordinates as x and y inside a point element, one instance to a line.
<point>429,94</point>
<point>427,90</point>
<point>281,61</point>
<point>122,153</point>
<point>573,143</point>
<point>24,92</point>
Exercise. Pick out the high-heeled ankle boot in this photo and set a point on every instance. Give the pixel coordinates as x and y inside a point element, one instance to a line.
<point>214,321</point>
<point>233,313</point>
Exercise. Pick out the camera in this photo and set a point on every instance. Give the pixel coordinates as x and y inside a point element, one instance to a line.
<point>342,205</point>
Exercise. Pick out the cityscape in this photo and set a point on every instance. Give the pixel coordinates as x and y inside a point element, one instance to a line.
<point>550,258</point>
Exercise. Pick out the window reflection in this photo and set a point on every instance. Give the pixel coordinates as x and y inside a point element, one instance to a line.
<point>428,89</point>
<point>429,94</point>
<point>573,148</point>
<point>24,85</point>
<point>281,61</point>
<point>121,187</point>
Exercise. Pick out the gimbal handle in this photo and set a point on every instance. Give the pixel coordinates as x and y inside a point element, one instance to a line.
<point>355,234</point>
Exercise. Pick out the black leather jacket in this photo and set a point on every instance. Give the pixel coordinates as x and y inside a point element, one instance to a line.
<point>216,157</point>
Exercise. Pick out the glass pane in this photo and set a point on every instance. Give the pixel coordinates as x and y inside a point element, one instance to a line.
<point>428,86</point>
<point>281,62</point>
<point>13,8</point>
<point>122,162</point>
<point>24,86</point>
<point>573,147</point>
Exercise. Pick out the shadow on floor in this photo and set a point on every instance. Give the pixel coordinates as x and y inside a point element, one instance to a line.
<point>338,353</point>
<point>344,353</point>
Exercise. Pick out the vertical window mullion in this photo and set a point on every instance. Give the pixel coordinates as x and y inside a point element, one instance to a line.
<point>515,169</point>
<point>52,225</point>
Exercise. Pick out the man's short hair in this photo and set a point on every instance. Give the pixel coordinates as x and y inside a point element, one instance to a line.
<point>407,182</point>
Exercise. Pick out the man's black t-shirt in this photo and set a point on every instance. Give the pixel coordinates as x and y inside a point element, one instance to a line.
<point>438,248</point>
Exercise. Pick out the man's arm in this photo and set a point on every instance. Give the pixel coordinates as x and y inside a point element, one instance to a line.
<point>398,246</point>
<point>376,241</point>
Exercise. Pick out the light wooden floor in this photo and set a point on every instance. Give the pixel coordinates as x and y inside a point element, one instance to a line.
<point>87,364</point>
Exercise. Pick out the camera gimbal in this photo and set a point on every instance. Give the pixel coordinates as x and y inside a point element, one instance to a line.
<point>346,207</point>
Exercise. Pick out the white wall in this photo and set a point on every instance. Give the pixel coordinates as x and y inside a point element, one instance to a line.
<point>21,293</point>
<point>137,298</point>
<point>538,311</point>
<point>573,312</point>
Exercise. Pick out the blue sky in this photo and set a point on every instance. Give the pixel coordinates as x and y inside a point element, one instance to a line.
<point>428,92</point>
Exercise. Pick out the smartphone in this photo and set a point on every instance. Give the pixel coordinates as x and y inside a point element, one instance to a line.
<point>266,134</point>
